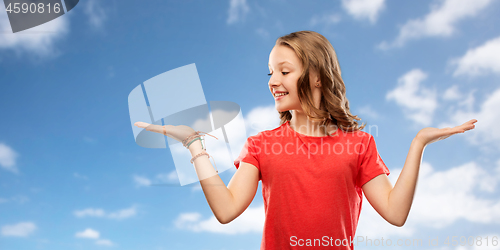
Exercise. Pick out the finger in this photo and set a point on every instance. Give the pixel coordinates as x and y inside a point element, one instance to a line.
<point>464,127</point>
<point>155,128</point>
<point>471,122</point>
<point>167,129</point>
<point>469,125</point>
<point>150,127</point>
<point>141,124</point>
<point>450,131</point>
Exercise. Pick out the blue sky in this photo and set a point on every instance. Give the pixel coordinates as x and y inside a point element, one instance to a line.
<point>72,176</point>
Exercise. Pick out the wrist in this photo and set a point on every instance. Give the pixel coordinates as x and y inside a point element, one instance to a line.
<point>418,142</point>
<point>195,147</point>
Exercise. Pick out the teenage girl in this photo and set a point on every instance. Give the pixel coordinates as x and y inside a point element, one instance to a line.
<point>317,164</point>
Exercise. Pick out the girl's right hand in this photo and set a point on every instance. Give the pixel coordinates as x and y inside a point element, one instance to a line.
<point>178,133</point>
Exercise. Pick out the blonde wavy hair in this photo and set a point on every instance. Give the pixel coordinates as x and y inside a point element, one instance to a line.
<point>317,53</point>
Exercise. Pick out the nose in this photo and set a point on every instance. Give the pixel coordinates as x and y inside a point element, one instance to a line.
<point>274,82</point>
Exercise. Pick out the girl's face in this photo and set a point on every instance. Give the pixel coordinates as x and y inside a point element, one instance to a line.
<point>285,69</point>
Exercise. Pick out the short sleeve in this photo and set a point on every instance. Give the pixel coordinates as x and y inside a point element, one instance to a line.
<point>370,164</point>
<point>249,154</point>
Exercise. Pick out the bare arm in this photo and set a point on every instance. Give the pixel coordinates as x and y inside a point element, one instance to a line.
<point>229,202</point>
<point>394,204</point>
<point>226,203</point>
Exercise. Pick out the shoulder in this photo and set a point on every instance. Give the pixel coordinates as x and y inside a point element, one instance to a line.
<point>269,133</point>
<point>358,134</point>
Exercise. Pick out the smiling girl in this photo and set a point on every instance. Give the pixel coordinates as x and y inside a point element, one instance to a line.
<point>316,166</point>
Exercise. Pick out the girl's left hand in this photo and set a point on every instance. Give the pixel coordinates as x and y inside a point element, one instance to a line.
<point>430,135</point>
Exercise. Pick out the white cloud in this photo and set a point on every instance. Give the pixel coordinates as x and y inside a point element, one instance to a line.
<point>168,177</point>
<point>8,158</point>
<point>104,242</point>
<point>486,132</point>
<point>2,200</point>
<point>467,100</point>
<point>454,191</point>
<point>441,199</point>
<point>364,9</point>
<point>250,221</point>
<point>161,178</point>
<point>123,214</point>
<point>367,110</point>
<point>327,19</point>
<point>141,181</point>
<point>197,187</point>
<point>88,233</point>
<point>452,93</point>
<point>22,229</point>
<point>480,60</point>
<point>39,40</point>
<point>187,217</point>
<point>418,102</point>
<point>95,12</point>
<point>439,22</point>
<point>92,234</point>
<point>238,9</point>
<point>97,212</point>
<point>262,118</point>
<point>89,212</point>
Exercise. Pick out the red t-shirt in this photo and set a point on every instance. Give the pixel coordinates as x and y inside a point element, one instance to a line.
<point>311,185</point>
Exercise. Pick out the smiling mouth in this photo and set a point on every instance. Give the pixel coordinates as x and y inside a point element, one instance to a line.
<point>280,94</point>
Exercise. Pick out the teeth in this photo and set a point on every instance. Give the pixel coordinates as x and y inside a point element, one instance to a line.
<point>280,94</point>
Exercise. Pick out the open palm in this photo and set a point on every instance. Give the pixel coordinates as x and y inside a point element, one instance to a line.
<point>430,135</point>
<point>178,133</point>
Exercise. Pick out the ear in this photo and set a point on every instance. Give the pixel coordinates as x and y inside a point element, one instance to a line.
<point>314,77</point>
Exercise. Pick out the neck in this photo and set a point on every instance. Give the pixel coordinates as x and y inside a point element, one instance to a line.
<point>303,125</point>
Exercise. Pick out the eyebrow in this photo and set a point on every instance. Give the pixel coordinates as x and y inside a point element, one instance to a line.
<point>281,63</point>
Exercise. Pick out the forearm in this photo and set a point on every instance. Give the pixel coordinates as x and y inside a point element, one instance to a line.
<point>218,196</point>
<point>401,196</point>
